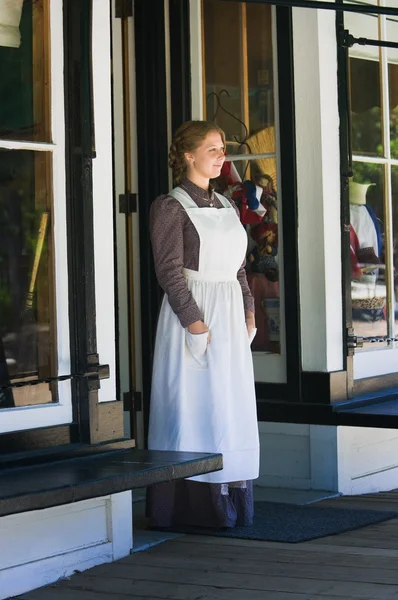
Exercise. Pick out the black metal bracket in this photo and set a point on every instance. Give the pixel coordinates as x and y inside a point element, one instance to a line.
<point>353,341</point>
<point>94,374</point>
<point>132,401</point>
<point>349,40</point>
<point>323,5</point>
<point>124,9</point>
<point>128,203</point>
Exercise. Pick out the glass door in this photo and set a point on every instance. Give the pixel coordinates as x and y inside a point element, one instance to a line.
<point>235,85</point>
<point>373,190</point>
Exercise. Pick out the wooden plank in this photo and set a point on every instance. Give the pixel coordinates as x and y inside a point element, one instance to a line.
<point>120,588</point>
<point>340,571</point>
<point>268,555</point>
<point>129,580</point>
<point>156,591</point>
<point>314,546</point>
<point>57,592</point>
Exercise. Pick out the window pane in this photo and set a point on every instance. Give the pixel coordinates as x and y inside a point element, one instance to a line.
<point>368,288</point>
<point>363,26</point>
<point>239,84</point>
<point>24,70</point>
<point>27,319</point>
<point>394,190</point>
<point>238,73</point>
<point>223,77</point>
<point>366,107</point>
<point>393,84</point>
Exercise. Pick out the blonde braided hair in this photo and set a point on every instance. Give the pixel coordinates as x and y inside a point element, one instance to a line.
<point>186,139</point>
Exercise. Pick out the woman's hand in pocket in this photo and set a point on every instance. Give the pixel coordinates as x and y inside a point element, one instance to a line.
<point>250,323</point>
<point>199,327</point>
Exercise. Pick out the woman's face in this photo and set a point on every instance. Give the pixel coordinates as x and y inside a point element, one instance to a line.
<point>208,158</point>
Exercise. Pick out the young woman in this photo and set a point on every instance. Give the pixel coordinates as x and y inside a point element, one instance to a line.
<point>203,397</point>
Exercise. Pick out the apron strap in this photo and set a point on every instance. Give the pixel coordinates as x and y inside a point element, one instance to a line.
<point>183,198</point>
<point>224,201</point>
<point>186,201</point>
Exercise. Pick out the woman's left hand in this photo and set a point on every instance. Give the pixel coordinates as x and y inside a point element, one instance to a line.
<point>250,322</point>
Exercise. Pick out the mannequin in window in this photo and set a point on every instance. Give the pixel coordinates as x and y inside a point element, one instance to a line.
<point>365,225</point>
<point>368,296</point>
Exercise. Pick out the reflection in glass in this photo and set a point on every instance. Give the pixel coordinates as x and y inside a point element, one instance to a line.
<point>222,32</point>
<point>368,287</point>
<point>394,194</point>
<point>24,71</point>
<point>365,107</point>
<point>27,330</point>
<point>239,87</point>
<point>393,85</point>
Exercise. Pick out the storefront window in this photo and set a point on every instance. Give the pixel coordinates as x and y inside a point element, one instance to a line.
<point>32,199</point>
<point>373,197</point>
<point>239,87</point>
<point>26,282</point>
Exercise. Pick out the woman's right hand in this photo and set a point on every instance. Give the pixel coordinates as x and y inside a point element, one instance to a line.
<point>199,327</point>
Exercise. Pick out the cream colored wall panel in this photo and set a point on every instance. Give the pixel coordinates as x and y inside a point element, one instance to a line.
<point>62,530</point>
<point>367,460</point>
<point>40,547</point>
<point>284,456</point>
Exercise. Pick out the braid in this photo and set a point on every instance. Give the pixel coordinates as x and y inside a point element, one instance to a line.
<point>177,162</point>
<point>186,139</point>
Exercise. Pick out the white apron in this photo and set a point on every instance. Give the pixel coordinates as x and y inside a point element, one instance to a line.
<point>203,396</point>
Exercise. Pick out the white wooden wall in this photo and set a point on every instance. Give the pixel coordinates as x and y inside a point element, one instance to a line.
<point>348,460</point>
<point>40,547</point>
<point>367,459</point>
<point>300,457</point>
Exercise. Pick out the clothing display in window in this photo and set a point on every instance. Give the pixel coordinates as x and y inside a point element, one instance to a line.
<point>256,200</point>
<point>10,17</point>
<point>366,246</point>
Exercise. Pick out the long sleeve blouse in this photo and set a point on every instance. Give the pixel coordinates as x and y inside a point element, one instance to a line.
<point>176,243</point>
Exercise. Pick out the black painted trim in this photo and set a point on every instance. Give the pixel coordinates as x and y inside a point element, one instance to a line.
<point>271,391</point>
<point>324,5</point>
<point>287,129</point>
<point>345,173</point>
<point>152,145</point>
<point>322,414</point>
<point>180,67</point>
<point>79,151</point>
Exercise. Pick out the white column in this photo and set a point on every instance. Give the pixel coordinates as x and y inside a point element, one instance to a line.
<point>318,178</point>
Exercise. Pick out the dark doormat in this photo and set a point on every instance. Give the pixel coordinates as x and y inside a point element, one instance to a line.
<point>276,522</point>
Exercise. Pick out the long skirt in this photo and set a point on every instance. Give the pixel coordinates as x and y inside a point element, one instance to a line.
<point>186,502</point>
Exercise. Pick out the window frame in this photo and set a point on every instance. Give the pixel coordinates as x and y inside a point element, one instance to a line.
<point>96,425</point>
<point>277,375</point>
<point>60,412</point>
<point>378,362</point>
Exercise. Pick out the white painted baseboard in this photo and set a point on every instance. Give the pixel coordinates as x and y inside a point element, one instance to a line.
<point>345,460</point>
<point>41,547</point>
<point>300,457</point>
<point>368,460</point>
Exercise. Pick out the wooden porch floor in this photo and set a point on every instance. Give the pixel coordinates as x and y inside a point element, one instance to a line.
<point>359,565</point>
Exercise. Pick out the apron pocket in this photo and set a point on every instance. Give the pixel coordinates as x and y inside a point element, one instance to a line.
<point>252,335</point>
<point>197,348</point>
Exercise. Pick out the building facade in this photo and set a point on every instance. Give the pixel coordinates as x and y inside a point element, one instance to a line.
<point>90,93</point>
